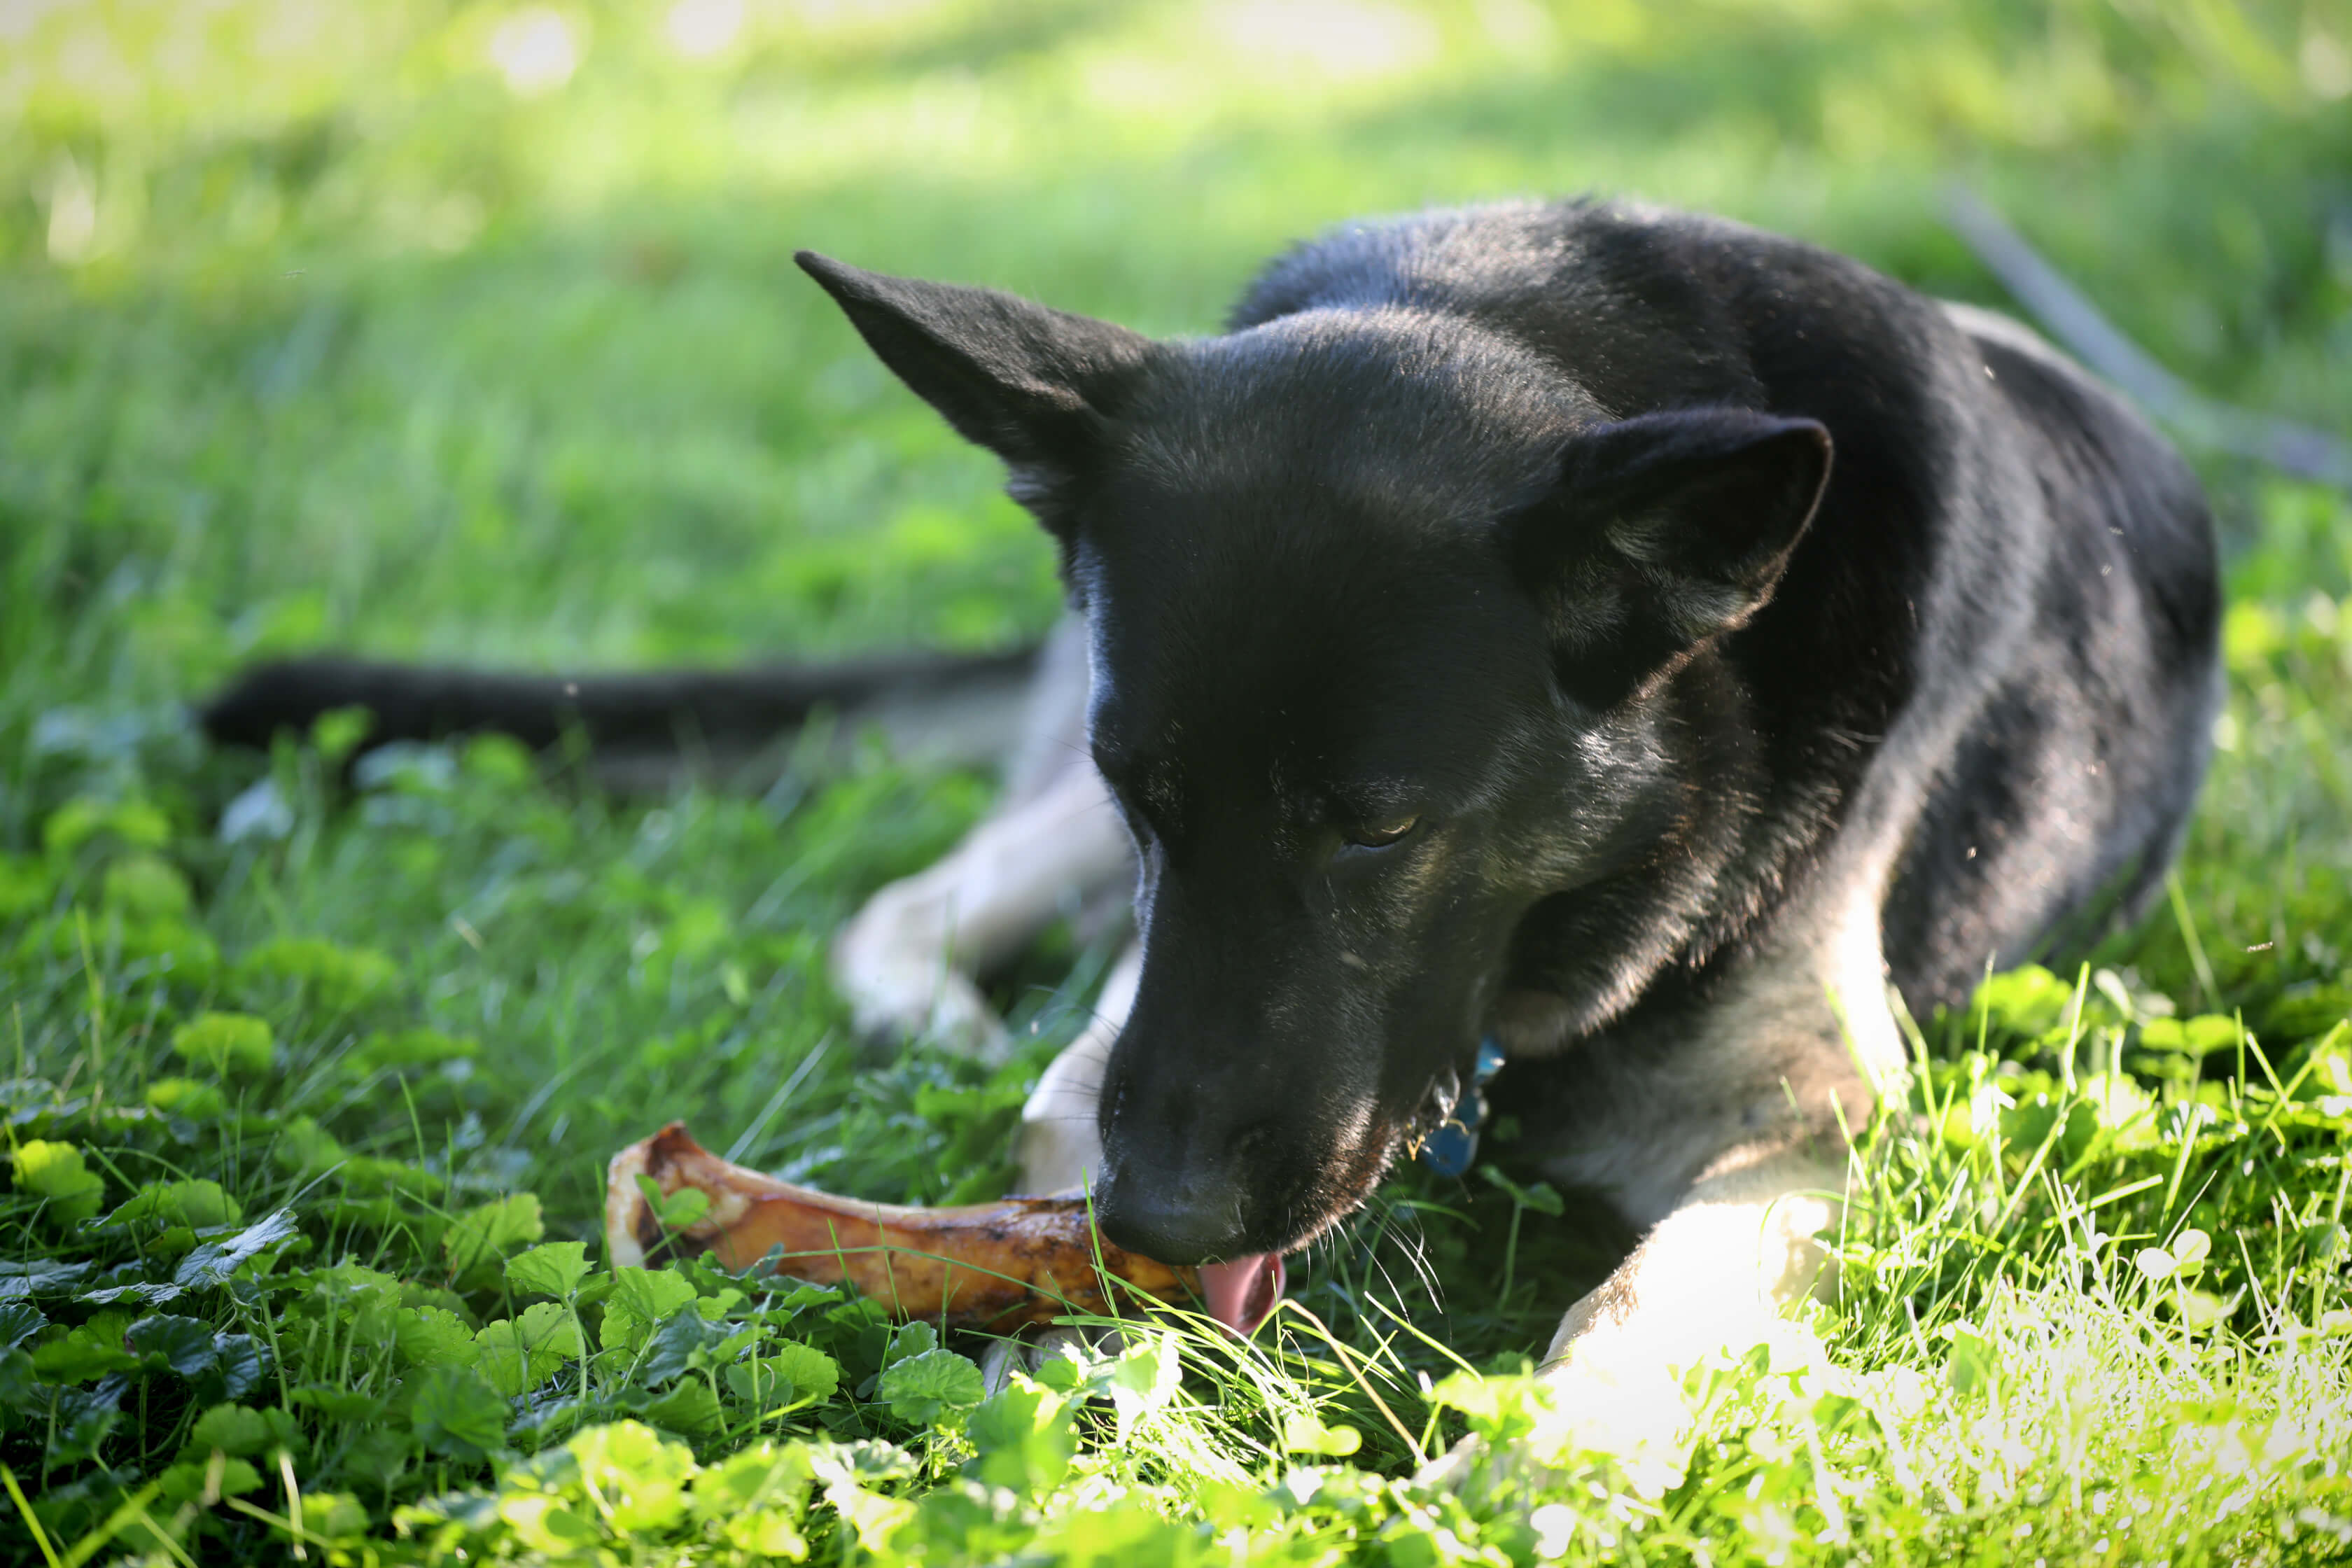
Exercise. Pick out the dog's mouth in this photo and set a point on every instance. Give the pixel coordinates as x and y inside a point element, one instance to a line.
<point>1242,1292</point>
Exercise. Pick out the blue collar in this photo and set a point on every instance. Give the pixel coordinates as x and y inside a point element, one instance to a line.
<point>1450,1150</point>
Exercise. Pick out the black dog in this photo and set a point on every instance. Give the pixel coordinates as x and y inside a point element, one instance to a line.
<point>1625,636</point>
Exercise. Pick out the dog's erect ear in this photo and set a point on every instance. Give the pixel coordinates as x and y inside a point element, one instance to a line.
<point>1035,386</point>
<point>1664,530</point>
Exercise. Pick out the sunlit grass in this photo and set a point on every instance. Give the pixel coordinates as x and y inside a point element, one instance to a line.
<point>469,332</point>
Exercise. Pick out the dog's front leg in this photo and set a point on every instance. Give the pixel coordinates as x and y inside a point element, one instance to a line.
<point>907,960</point>
<point>1717,1275</point>
<point>1061,1144</point>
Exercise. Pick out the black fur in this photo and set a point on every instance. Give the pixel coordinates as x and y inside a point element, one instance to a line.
<point>1506,521</point>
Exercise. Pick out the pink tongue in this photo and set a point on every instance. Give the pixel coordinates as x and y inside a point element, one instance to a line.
<point>1242,1293</point>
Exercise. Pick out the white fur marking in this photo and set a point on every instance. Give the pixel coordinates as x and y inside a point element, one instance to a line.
<point>1061,1146</point>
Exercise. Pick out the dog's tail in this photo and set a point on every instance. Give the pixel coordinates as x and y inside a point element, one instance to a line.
<point>951,707</point>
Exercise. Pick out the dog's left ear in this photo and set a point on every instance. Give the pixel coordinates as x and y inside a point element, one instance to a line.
<point>1037,388</point>
<point>1664,530</point>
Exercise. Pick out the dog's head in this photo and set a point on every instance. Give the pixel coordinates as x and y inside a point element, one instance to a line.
<point>1381,602</point>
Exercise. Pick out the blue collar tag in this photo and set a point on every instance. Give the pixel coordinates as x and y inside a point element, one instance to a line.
<point>1450,1150</point>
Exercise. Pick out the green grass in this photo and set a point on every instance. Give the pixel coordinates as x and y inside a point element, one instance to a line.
<point>328,335</point>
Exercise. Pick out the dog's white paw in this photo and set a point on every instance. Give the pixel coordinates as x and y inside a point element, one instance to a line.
<point>1615,1403</point>
<point>891,965</point>
<point>1640,1427</point>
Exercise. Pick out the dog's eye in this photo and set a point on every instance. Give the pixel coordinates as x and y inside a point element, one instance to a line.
<point>1379,835</point>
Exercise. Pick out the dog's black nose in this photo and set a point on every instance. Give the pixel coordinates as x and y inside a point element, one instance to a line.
<point>1177,1220</point>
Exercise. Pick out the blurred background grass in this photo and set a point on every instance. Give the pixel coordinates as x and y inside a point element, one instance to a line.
<point>470,330</point>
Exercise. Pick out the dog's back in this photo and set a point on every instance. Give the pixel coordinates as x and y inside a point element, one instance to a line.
<point>2098,732</point>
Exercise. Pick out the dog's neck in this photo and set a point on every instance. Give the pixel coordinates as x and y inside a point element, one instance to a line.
<point>1738,838</point>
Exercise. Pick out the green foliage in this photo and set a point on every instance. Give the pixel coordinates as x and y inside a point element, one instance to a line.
<point>84,821</point>
<point>787,1374</point>
<point>553,1269</point>
<point>189,1204</point>
<point>673,1211</point>
<point>224,1043</point>
<point>56,1173</point>
<point>488,1233</point>
<point>237,1430</point>
<point>433,1336</point>
<point>92,1350</point>
<point>146,888</point>
<point>369,336</point>
<point>1027,1434</point>
<point>457,1414</point>
<point>931,1386</point>
<point>338,979</point>
<point>392,1050</point>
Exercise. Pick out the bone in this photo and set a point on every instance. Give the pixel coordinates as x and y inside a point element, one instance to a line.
<point>1000,1267</point>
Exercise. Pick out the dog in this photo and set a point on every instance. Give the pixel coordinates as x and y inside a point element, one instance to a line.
<point>1621,646</point>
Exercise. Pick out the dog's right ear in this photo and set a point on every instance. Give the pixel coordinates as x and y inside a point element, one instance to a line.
<point>1037,388</point>
<point>1665,531</point>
